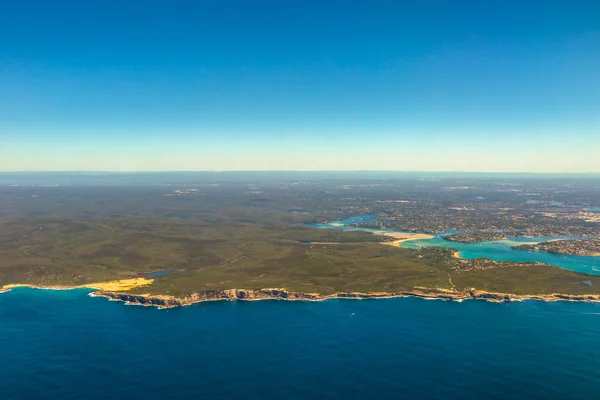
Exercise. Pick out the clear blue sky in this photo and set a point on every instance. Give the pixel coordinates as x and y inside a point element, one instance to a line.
<point>312,85</point>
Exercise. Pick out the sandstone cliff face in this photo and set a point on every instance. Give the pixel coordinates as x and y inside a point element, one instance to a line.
<point>230,294</point>
<point>163,301</point>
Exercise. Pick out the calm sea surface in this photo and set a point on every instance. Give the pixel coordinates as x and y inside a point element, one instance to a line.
<point>66,345</point>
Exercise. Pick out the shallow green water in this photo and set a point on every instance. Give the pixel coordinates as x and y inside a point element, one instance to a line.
<point>496,250</point>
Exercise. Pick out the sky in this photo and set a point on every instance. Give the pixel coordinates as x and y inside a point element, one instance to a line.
<point>427,85</point>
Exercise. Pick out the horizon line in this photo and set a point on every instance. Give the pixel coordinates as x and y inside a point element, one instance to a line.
<point>296,170</point>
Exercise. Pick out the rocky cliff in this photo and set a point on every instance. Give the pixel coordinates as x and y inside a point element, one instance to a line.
<point>163,301</point>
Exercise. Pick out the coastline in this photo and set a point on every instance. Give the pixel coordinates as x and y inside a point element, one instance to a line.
<point>591,254</point>
<point>166,301</point>
<point>403,237</point>
<point>112,286</point>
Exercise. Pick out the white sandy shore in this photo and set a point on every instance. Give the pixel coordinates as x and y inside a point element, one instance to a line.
<point>166,301</point>
<point>109,286</point>
<point>402,237</point>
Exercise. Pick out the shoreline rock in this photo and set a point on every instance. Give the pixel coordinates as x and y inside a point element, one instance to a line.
<point>164,301</point>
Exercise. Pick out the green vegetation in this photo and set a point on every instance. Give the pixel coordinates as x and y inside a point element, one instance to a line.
<point>206,256</point>
<point>248,235</point>
<point>581,247</point>
<point>532,279</point>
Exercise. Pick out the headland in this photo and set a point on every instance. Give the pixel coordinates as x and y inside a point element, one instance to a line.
<point>178,243</point>
<point>118,291</point>
<point>578,247</point>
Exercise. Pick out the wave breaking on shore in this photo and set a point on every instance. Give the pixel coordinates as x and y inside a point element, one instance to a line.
<point>107,290</point>
<point>164,301</point>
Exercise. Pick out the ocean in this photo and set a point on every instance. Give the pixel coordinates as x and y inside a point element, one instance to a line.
<point>67,345</point>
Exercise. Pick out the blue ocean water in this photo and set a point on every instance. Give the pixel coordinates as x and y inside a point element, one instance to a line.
<point>64,344</point>
<point>500,250</point>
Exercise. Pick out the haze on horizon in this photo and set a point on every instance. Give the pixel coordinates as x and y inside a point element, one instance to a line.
<point>300,85</point>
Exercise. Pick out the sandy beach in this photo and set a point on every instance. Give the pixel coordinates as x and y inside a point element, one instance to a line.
<point>110,286</point>
<point>403,237</point>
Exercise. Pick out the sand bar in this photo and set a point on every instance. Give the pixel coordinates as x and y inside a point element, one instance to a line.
<point>403,237</point>
<point>112,286</point>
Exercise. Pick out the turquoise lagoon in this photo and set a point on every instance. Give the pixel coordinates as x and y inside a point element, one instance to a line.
<point>499,250</point>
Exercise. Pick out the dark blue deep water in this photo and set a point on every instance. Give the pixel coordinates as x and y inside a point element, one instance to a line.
<point>66,345</point>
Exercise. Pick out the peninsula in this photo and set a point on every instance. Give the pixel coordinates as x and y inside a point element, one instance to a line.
<point>579,247</point>
<point>169,244</point>
<point>475,237</point>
